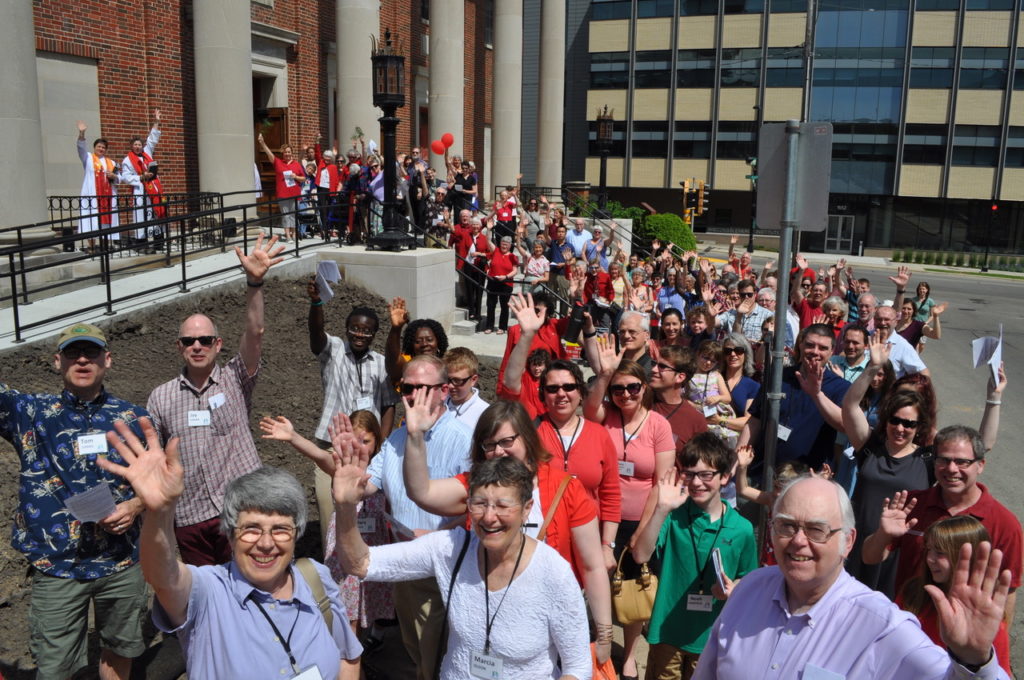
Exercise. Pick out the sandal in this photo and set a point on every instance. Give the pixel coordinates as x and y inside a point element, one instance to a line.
<point>488,331</point>
<point>499,332</point>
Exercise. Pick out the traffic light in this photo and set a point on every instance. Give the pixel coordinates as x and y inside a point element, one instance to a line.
<point>685,184</point>
<point>703,197</point>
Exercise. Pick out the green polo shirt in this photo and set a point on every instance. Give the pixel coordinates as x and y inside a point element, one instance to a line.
<point>733,535</point>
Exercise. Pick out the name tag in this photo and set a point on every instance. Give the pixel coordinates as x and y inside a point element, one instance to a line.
<point>626,468</point>
<point>366,525</point>
<point>217,400</point>
<point>784,432</point>
<point>90,444</point>
<point>364,404</point>
<point>812,672</point>
<point>710,411</point>
<point>198,418</point>
<point>458,187</point>
<point>311,673</point>
<point>695,602</point>
<point>485,666</point>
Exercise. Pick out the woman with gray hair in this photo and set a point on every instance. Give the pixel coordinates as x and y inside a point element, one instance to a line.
<point>501,270</point>
<point>738,369</point>
<point>834,312</point>
<point>228,617</point>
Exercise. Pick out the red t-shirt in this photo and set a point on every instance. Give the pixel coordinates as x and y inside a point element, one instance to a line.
<point>283,190</point>
<point>685,421</point>
<point>502,264</point>
<point>598,284</point>
<point>807,312</point>
<point>505,212</point>
<point>591,459</point>
<point>549,337</point>
<point>461,239</point>
<point>528,395</point>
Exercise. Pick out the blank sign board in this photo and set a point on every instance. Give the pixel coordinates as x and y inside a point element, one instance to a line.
<point>814,167</point>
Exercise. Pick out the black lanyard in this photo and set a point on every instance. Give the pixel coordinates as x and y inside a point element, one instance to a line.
<point>625,441</point>
<point>671,413</point>
<point>285,642</point>
<point>487,596</point>
<point>565,450</point>
<point>696,554</point>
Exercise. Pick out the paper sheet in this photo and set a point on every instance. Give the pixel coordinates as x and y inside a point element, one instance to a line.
<point>989,350</point>
<point>92,505</point>
<point>326,273</point>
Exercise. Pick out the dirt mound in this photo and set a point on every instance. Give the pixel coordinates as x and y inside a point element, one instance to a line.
<point>144,356</point>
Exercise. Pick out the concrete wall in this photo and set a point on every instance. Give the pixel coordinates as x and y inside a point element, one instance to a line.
<point>68,92</point>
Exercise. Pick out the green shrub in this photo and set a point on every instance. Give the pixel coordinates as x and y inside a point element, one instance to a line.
<point>896,256</point>
<point>666,227</point>
<point>929,257</point>
<point>908,255</point>
<point>958,261</point>
<point>950,258</point>
<point>972,260</point>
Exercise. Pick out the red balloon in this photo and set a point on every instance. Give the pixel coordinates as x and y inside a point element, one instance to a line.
<point>437,147</point>
<point>447,139</point>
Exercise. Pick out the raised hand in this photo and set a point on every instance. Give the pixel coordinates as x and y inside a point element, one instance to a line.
<point>526,314</point>
<point>902,277</point>
<point>744,456</point>
<point>311,289</point>
<point>345,443</point>
<point>970,614</point>
<point>609,359</point>
<point>277,427</point>
<point>155,474</point>
<point>349,480</point>
<point>819,318</point>
<point>733,240</point>
<point>810,377</point>
<point>896,511</point>
<point>841,264</point>
<point>835,369</point>
<point>801,262</point>
<point>880,350</point>
<point>82,127</point>
<point>746,306</point>
<point>156,115</point>
<point>421,412</point>
<point>671,490</point>
<point>261,259</point>
<point>399,313</point>
<point>938,309</point>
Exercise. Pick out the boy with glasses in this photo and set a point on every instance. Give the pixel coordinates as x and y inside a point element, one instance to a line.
<point>464,398</point>
<point>959,462</point>
<point>691,522</point>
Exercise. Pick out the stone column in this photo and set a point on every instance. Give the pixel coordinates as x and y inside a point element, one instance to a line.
<point>552,94</point>
<point>508,85</point>
<point>223,54</point>
<point>356,21</point>
<point>447,74</point>
<point>22,193</point>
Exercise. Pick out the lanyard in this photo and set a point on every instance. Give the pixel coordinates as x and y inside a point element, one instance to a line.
<point>696,554</point>
<point>671,413</point>
<point>625,441</point>
<point>487,596</point>
<point>565,451</point>
<point>285,642</point>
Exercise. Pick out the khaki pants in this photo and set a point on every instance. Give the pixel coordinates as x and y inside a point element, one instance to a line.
<point>324,500</point>
<point>666,662</point>
<point>420,613</point>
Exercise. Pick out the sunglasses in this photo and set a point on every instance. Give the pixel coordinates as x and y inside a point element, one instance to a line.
<point>408,389</point>
<point>204,340</point>
<point>739,351</point>
<point>665,367</point>
<point>90,352</point>
<point>619,390</point>
<point>909,424</point>
<point>566,387</point>
<point>748,294</point>
<point>459,382</point>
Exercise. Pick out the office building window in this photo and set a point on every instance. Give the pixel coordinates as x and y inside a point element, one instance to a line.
<point>741,67</point>
<point>691,8</point>
<point>650,138</point>
<point>983,68</point>
<point>788,6</point>
<point>691,139</point>
<point>998,5</point>
<point>924,144</point>
<point>944,5</point>
<point>1015,147</point>
<point>931,67</point>
<point>611,9</point>
<point>655,8</point>
<point>695,68</point>
<point>609,70</point>
<point>976,145</point>
<point>488,19</point>
<point>736,139</point>
<point>653,69</point>
<point>784,67</point>
<point>743,6</point>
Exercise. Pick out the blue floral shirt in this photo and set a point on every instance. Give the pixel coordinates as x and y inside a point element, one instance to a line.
<point>44,430</point>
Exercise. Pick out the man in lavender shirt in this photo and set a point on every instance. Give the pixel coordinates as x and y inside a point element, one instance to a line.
<point>808,618</point>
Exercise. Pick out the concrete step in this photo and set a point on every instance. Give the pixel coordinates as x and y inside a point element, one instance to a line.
<point>463,326</point>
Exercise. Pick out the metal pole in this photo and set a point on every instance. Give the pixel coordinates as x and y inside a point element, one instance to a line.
<point>988,238</point>
<point>789,223</point>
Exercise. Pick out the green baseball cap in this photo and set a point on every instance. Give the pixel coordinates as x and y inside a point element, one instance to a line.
<point>81,332</point>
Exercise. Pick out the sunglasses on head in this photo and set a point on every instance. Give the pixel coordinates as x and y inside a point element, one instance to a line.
<point>566,387</point>
<point>407,388</point>
<point>909,424</point>
<point>619,390</point>
<point>204,340</point>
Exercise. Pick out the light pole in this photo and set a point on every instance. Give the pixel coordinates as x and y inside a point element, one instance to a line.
<point>605,129</point>
<point>388,95</point>
<point>752,162</point>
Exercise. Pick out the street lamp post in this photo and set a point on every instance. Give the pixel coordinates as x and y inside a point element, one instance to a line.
<point>605,129</point>
<point>388,95</point>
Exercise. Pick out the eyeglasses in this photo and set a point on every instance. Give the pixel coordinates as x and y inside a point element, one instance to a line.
<point>632,388</point>
<point>504,443</point>
<point>960,463</point>
<point>665,367</point>
<point>566,387</point>
<point>204,340</point>
<point>360,332</point>
<point>816,532</point>
<point>89,351</point>
<point>459,382</point>
<point>408,389</point>
<point>253,533</point>
<point>805,285</point>
<point>502,507</point>
<point>738,351</point>
<point>748,294</point>
<point>909,424</point>
<point>703,475</point>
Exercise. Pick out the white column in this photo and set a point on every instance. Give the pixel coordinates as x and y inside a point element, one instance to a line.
<point>22,193</point>
<point>552,94</point>
<point>447,75</point>
<point>356,21</point>
<point>508,85</point>
<point>223,49</point>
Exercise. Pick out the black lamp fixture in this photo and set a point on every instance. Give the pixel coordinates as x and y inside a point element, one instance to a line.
<point>605,130</point>
<point>388,95</point>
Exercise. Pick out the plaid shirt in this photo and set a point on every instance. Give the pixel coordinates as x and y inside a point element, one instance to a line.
<point>346,380</point>
<point>44,430</point>
<point>750,325</point>
<point>213,454</point>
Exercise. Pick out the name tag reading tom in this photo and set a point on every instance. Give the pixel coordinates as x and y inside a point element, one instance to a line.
<point>311,673</point>
<point>366,525</point>
<point>784,432</point>
<point>626,468</point>
<point>485,666</point>
<point>92,443</point>
<point>198,418</point>
<point>695,602</point>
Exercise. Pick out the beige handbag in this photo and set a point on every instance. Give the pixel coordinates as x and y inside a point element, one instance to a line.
<point>633,600</point>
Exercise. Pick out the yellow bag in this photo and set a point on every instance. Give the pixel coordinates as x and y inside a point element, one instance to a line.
<point>633,600</point>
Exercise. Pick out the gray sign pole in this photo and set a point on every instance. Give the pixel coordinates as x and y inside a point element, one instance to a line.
<point>788,224</point>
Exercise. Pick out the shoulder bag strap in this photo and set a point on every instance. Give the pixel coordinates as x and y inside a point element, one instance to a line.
<point>554,506</point>
<point>312,577</point>
<point>442,641</point>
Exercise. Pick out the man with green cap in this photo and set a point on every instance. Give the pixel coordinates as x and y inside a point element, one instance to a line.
<point>76,524</point>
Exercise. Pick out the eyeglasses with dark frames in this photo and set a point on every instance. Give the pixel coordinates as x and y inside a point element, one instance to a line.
<point>960,463</point>
<point>204,340</point>
<point>703,475</point>
<point>816,532</point>
<point>664,367</point>
<point>505,443</point>
<point>566,387</point>
<point>407,388</point>
<point>459,382</point>
<point>619,390</point>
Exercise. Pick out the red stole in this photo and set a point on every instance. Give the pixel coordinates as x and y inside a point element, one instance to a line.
<point>151,188</point>
<point>100,168</point>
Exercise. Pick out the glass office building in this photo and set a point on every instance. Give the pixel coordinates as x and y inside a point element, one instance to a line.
<point>926,100</point>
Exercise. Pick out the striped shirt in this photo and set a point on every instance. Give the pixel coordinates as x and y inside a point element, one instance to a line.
<point>213,453</point>
<point>349,381</point>
<point>448,445</point>
<point>750,325</point>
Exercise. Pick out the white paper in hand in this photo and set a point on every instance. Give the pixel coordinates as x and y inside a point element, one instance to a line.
<point>326,273</point>
<point>989,350</point>
<point>92,505</point>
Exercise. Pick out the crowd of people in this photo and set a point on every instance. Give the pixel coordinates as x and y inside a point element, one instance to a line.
<point>488,532</point>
